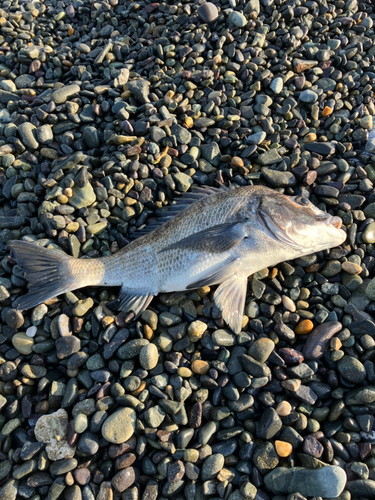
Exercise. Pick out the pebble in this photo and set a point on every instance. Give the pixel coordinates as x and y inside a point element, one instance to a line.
<point>318,340</point>
<point>61,95</point>
<point>325,482</point>
<point>237,19</point>
<point>23,343</point>
<point>108,113</point>
<point>283,449</point>
<point>120,426</point>
<point>277,85</point>
<point>52,430</point>
<point>208,12</point>
<point>149,356</point>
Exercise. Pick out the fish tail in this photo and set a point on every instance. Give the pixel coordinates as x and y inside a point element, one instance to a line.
<point>51,272</point>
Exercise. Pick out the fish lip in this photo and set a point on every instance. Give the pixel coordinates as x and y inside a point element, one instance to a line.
<point>331,220</point>
<point>335,222</point>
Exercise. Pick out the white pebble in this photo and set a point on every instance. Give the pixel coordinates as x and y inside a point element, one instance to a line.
<point>288,303</point>
<point>31,331</point>
<point>277,85</point>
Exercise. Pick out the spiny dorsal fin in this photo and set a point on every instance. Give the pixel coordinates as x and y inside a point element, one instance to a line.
<point>186,200</point>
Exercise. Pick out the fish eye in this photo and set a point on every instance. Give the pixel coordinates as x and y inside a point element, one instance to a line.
<point>302,201</point>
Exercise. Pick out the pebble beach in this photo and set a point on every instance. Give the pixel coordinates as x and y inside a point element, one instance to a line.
<point>109,112</point>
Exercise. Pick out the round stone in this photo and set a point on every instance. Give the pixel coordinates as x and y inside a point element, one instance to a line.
<point>237,19</point>
<point>283,449</point>
<point>368,235</point>
<point>304,327</point>
<point>119,426</point>
<point>208,12</point>
<point>212,466</point>
<point>352,369</point>
<point>14,318</point>
<point>149,356</point>
<point>196,330</point>
<point>308,96</point>
<point>283,409</point>
<point>23,343</point>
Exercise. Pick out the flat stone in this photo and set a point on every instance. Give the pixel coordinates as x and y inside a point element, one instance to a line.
<point>119,426</point>
<point>278,179</point>
<point>23,343</point>
<point>82,196</point>
<point>269,157</point>
<point>321,148</point>
<point>352,369</point>
<point>61,95</point>
<point>308,96</point>
<point>256,138</point>
<point>361,488</point>
<point>237,19</point>
<point>212,466</point>
<point>328,482</point>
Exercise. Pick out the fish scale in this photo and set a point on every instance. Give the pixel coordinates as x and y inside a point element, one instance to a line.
<point>209,237</point>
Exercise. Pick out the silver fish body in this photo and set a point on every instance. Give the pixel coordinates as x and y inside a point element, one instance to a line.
<point>210,237</point>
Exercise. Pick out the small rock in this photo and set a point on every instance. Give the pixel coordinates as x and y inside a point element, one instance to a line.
<point>120,426</point>
<point>52,430</point>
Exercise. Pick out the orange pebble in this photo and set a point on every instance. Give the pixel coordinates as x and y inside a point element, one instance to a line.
<point>70,31</point>
<point>237,161</point>
<point>189,122</point>
<point>283,449</point>
<point>200,367</point>
<point>305,326</point>
<point>311,137</point>
<point>327,111</point>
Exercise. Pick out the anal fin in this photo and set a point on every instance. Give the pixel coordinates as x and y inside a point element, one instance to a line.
<point>230,299</point>
<point>134,302</point>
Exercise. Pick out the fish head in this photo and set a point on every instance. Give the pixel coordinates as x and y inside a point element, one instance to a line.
<point>296,222</point>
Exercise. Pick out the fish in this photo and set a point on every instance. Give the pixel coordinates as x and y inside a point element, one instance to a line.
<point>210,236</point>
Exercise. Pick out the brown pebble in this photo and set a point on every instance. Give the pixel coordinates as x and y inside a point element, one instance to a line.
<point>125,460</point>
<point>200,367</point>
<point>82,476</point>
<point>351,268</point>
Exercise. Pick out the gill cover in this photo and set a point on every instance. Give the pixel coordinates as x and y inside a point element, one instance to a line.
<point>279,222</point>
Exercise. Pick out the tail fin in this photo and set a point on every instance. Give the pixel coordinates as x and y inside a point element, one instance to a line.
<point>48,273</point>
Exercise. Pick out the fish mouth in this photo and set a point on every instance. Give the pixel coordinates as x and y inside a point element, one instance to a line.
<point>330,220</point>
<point>335,222</point>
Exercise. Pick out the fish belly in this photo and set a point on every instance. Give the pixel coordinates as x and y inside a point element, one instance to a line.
<point>190,269</point>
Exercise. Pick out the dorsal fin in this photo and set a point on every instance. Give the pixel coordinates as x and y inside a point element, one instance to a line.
<point>181,204</point>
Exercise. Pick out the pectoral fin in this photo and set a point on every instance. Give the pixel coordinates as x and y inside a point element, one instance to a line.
<point>216,239</point>
<point>215,276</point>
<point>230,299</point>
<point>133,302</point>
